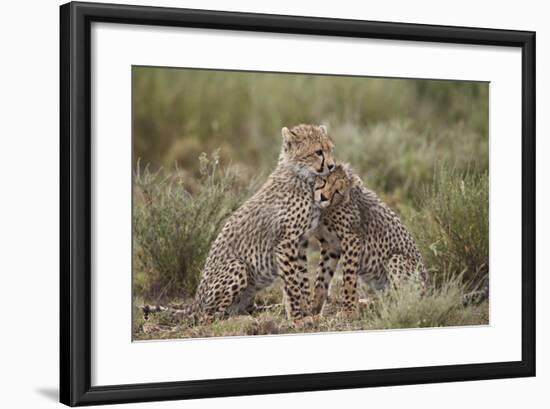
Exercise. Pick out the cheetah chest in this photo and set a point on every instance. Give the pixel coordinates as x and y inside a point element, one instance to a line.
<point>314,221</point>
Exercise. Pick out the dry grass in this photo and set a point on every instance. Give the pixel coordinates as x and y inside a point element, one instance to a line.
<point>274,323</point>
<point>398,309</point>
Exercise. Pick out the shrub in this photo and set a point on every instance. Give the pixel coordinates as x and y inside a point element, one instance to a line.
<point>173,228</point>
<point>452,228</point>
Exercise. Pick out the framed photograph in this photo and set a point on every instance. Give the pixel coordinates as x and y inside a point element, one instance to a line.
<point>259,204</point>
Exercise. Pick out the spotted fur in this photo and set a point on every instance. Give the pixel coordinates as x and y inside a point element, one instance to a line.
<point>476,297</point>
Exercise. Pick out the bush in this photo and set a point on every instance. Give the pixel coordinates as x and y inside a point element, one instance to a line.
<point>173,228</point>
<point>452,229</point>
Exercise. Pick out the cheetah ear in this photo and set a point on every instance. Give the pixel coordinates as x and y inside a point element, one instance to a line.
<point>323,129</point>
<point>287,135</point>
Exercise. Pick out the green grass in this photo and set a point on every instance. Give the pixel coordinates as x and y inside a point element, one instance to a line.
<point>441,307</point>
<point>422,145</point>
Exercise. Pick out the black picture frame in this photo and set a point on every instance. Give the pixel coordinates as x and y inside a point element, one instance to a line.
<point>76,198</point>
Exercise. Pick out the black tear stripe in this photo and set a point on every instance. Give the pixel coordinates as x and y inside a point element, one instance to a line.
<point>322,164</point>
<point>321,187</point>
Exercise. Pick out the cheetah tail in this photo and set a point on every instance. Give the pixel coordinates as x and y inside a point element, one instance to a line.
<point>475,297</point>
<point>186,311</point>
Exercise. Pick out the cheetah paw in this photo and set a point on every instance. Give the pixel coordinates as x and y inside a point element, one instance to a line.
<point>303,322</point>
<point>348,315</point>
<point>365,303</point>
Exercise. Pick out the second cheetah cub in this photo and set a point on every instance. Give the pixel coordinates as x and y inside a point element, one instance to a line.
<point>369,238</point>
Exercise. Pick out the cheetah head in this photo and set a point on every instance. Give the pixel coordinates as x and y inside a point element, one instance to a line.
<point>333,189</point>
<point>308,148</point>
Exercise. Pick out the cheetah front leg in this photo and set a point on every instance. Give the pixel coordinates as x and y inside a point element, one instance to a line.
<point>328,260</point>
<point>304,277</point>
<point>286,254</point>
<point>351,256</point>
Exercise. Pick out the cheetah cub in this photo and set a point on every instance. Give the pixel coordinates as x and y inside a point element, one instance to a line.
<point>264,239</point>
<point>357,227</point>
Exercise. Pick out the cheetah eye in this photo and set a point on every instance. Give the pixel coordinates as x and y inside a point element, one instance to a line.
<point>338,193</point>
<point>319,152</point>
